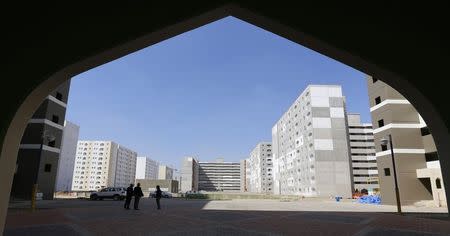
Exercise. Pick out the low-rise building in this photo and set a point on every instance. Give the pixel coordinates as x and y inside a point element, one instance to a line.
<point>149,185</point>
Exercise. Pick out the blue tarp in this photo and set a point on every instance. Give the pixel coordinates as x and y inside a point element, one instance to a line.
<point>370,199</point>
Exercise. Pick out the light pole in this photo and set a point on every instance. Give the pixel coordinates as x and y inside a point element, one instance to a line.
<point>385,141</point>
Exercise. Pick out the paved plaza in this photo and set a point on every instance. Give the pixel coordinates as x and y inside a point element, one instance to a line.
<point>225,217</point>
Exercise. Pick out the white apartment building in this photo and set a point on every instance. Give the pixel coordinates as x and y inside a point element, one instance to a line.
<point>219,176</point>
<point>189,174</point>
<point>261,169</point>
<point>102,164</point>
<point>310,145</point>
<point>362,149</point>
<point>67,157</point>
<point>126,167</point>
<point>146,168</point>
<point>417,161</point>
<point>165,172</point>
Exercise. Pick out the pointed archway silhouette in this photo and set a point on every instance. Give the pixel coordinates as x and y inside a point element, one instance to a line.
<point>24,111</point>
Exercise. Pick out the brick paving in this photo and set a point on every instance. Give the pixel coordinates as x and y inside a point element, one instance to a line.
<point>201,217</point>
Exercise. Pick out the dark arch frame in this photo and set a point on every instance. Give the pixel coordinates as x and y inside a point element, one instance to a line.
<point>24,111</point>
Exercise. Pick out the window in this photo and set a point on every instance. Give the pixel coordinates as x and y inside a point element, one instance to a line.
<point>387,172</point>
<point>52,143</point>
<point>431,156</point>
<point>425,131</point>
<point>383,147</point>
<point>55,119</point>
<point>377,100</point>
<point>374,80</point>
<point>48,167</point>
<point>59,96</point>
<point>381,123</point>
<point>438,183</point>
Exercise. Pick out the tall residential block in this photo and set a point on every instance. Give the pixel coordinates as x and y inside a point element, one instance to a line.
<point>219,176</point>
<point>101,164</point>
<point>146,168</point>
<point>189,174</point>
<point>261,166</point>
<point>37,160</point>
<point>243,173</point>
<point>310,145</point>
<point>165,172</point>
<point>362,148</point>
<point>126,167</point>
<point>417,162</point>
<point>67,157</point>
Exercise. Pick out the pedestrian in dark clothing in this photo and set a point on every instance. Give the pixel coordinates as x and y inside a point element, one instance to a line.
<point>158,196</point>
<point>137,196</point>
<point>128,197</point>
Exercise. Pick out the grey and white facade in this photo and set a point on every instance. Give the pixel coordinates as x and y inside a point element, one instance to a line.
<point>261,166</point>
<point>310,145</point>
<point>362,149</point>
<point>146,168</point>
<point>101,164</point>
<point>189,174</point>
<point>67,157</point>
<point>219,176</point>
<point>126,167</point>
<point>39,150</point>
<point>165,172</point>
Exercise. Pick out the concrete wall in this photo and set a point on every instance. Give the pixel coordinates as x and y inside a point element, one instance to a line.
<point>189,174</point>
<point>67,157</point>
<point>149,185</point>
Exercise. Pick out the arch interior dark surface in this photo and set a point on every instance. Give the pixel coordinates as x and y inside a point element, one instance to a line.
<point>400,49</point>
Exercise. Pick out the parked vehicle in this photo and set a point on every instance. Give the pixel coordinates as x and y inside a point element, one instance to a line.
<point>114,193</point>
<point>163,194</point>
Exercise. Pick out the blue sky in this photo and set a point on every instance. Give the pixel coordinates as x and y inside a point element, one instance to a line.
<point>212,92</point>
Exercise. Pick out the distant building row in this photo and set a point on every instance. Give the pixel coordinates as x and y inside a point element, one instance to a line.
<point>91,165</point>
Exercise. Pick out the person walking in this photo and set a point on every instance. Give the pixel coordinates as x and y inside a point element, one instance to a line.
<point>158,196</point>
<point>137,195</point>
<point>128,197</point>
